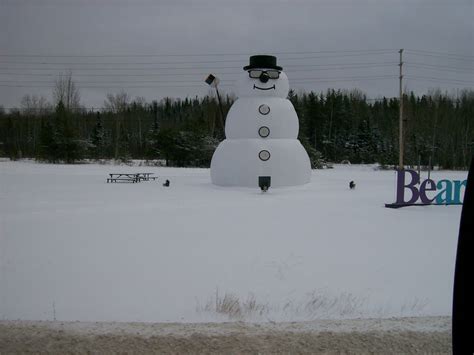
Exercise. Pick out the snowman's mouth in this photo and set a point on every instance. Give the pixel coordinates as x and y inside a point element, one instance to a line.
<point>259,88</point>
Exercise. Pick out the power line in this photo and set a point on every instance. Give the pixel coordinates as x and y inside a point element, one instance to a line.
<point>155,63</point>
<point>327,54</point>
<point>110,75</point>
<point>190,85</point>
<point>443,57</point>
<point>360,52</point>
<point>208,62</point>
<point>120,68</point>
<point>103,82</point>
<point>200,73</point>
<point>440,68</point>
<point>345,78</point>
<point>446,80</point>
<point>192,81</point>
<point>198,67</point>
<point>103,86</point>
<point>435,69</point>
<point>107,87</point>
<point>442,53</point>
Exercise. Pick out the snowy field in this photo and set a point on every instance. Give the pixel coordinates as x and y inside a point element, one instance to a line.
<point>73,247</point>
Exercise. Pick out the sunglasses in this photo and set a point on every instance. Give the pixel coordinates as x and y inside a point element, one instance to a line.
<point>272,74</point>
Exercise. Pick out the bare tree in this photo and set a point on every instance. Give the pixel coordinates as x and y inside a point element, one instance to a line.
<point>117,104</point>
<point>66,91</point>
<point>35,105</point>
<point>139,104</point>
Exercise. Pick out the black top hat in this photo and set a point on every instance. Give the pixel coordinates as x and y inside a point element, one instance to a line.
<point>263,61</point>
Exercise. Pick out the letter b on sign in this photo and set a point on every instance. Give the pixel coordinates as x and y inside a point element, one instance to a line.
<point>401,186</point>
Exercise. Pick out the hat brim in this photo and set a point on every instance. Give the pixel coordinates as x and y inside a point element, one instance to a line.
<point>277,67</point>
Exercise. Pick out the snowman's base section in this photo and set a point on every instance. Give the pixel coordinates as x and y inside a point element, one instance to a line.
<point>236,162</point>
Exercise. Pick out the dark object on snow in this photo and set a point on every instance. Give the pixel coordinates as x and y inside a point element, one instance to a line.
<point>264,182</point>
<point>167,183</point>
<point>463,296</point>
<point>352,185</point>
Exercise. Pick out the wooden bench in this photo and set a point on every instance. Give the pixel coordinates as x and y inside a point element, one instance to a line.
<point>123,178</point>
<point>135,177</point>
<point>146,177</point>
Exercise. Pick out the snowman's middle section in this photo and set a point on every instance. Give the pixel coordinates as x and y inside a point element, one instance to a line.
<point>262,118</point>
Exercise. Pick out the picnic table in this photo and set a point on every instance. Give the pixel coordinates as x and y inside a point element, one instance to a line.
<point>145,176</point>
<point>130,177</point>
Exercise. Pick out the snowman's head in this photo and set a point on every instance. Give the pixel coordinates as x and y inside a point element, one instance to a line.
<point>263,78</point>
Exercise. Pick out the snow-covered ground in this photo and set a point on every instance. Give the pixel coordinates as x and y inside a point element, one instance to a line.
<point>73,247</point>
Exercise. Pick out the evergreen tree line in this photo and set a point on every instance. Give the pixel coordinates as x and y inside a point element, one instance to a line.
<point>335,126</point>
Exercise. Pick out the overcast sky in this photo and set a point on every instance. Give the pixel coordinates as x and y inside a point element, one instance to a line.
<point>165,48</point>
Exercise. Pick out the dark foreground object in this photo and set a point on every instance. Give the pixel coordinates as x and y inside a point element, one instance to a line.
<point>395,336</point>
<point>463,297</point>
<point>264,182</point>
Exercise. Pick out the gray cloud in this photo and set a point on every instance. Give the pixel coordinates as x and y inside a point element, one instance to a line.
<point>217,36</point>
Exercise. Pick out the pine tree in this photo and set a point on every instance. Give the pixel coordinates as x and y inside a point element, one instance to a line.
<point>98,139</point>
<point>49,148</point>
<point>71,149</point>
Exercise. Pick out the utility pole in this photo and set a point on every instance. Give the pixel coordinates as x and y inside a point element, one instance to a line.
<point>400,159</point>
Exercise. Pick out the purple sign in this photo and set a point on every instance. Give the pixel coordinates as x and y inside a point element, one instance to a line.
<point>413,192</point>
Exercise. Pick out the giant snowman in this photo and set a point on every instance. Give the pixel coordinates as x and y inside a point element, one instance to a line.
<point>261,132</point>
